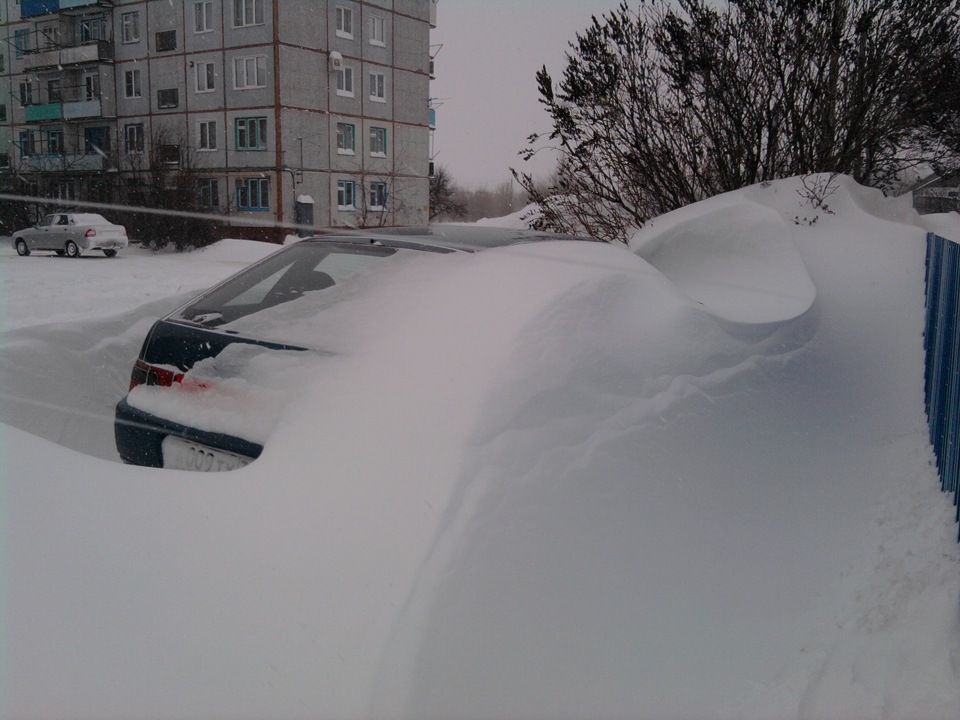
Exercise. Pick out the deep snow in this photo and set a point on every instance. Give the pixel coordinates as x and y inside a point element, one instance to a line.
<point>691,480</point>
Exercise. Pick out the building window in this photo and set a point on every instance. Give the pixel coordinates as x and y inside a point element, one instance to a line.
<point>208,135</point>
<point>28,143</point>
<point>253,194</point>
<point>378,141</point>
<point>130,27</point>
<point>51,36</point>
<point>378,87</point>
<point>55,142</point>
<point>96,140</point>
<point>4,160</point>
<point>345,81</point>
<point>3,112</point>
<point>168,98</point>
<point>206,77</point>
<point>168,154</point>
<point>3,62</point>
<point>247,12</point>
<point>63,190</point>
<point>249,72</point>
<point>91,86</point>
<point>21,41</point>
<point>346,142</point>
<point>203,16</point>
<point>251,133</point>
<point>133,138</point>
<point>346,195</point>
<point>53,91</point>
<point>166,41</point>
<point>344,22</point>
<point>27,93</point>
<point>208,193</point>
<point>131,84</point>
<point>93,29</point>
<point>378,31</point>
<point>378,195</point>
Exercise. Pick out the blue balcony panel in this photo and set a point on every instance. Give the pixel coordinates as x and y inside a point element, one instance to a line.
<point>34,8</point>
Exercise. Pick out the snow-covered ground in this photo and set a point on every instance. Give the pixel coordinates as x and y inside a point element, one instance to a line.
<point>691,480</point>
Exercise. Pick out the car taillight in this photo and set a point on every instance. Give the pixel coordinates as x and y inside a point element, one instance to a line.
<point>90,233</point>
<point>146,374</point>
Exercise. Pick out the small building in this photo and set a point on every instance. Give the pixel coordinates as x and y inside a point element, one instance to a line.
<point>937,193</point>
<point>254,103</point>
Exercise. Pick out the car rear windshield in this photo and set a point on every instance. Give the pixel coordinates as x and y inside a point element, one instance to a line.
<point>282,277</point>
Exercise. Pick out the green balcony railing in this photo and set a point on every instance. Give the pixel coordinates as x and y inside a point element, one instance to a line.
<point>39,113</point>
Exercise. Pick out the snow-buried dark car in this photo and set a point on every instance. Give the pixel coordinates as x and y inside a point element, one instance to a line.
<point>188,406</point>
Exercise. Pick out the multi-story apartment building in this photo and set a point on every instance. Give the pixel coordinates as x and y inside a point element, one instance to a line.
<point>312,111</point>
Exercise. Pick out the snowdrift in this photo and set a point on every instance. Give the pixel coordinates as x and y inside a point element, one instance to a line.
<point>688,479</point>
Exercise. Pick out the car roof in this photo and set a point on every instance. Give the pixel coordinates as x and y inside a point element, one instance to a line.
<point>464,238</point>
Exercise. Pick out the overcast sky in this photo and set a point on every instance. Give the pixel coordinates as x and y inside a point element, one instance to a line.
<point>485,91</point>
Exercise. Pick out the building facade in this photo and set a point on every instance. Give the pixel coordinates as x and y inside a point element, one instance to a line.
<point>296,111</point>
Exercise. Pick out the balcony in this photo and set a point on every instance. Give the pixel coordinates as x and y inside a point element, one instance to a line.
<point>62,163</point>
<point>41,113</point>
<point>73,110</point>
<point>63,56</point>
<point>36,8</point>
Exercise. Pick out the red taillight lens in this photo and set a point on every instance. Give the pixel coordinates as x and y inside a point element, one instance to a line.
<point>146,374</point>
<point>90,233</point>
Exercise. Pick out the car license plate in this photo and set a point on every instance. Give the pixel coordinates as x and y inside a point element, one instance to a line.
<point>179,454</point>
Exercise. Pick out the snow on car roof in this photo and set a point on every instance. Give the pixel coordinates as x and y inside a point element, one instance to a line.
<point>470,238</point>
<point>89,219</point>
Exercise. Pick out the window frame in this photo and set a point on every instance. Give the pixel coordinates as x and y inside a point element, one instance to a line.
<point>172,101</point>
<point>165,36</point>
<point>377,82</point>
<point>130,27</point>
<point>343,186</point>
<point>21,42</point>
<point>54,90</point>
<point>243,187</point>
<point>133,138</point>
<point>378,31</point>
<point>378,138</point>
<point>88,147</point>
<point>382,195</point>
<point>344,22</point>
<point>91,86</point>
<point>29,92</point>
<point>202,16</point>
<point>207,138</point>
<point>240,10</point>
<point>342,75</point>
<point>55,142</point>
<point>208,188</point>
<point>258,124</point>
<point>346,138</point>
<point>132,84</point>
<point>93,29</point>
<point>260,72</point>
<point>208,71</point>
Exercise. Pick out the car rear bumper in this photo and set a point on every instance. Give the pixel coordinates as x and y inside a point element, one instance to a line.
<point>140,435</point>
<point>104,243</point>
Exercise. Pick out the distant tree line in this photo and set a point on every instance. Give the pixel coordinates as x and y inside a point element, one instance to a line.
<point>449,201</point>
<point>678,100</point>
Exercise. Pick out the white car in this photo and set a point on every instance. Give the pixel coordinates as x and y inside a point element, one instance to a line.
<point>70,233</point>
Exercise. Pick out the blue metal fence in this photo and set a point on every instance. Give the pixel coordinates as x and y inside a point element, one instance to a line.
<point>941,340</point>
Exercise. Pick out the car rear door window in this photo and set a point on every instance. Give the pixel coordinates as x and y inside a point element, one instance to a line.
<point>286,276</point>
